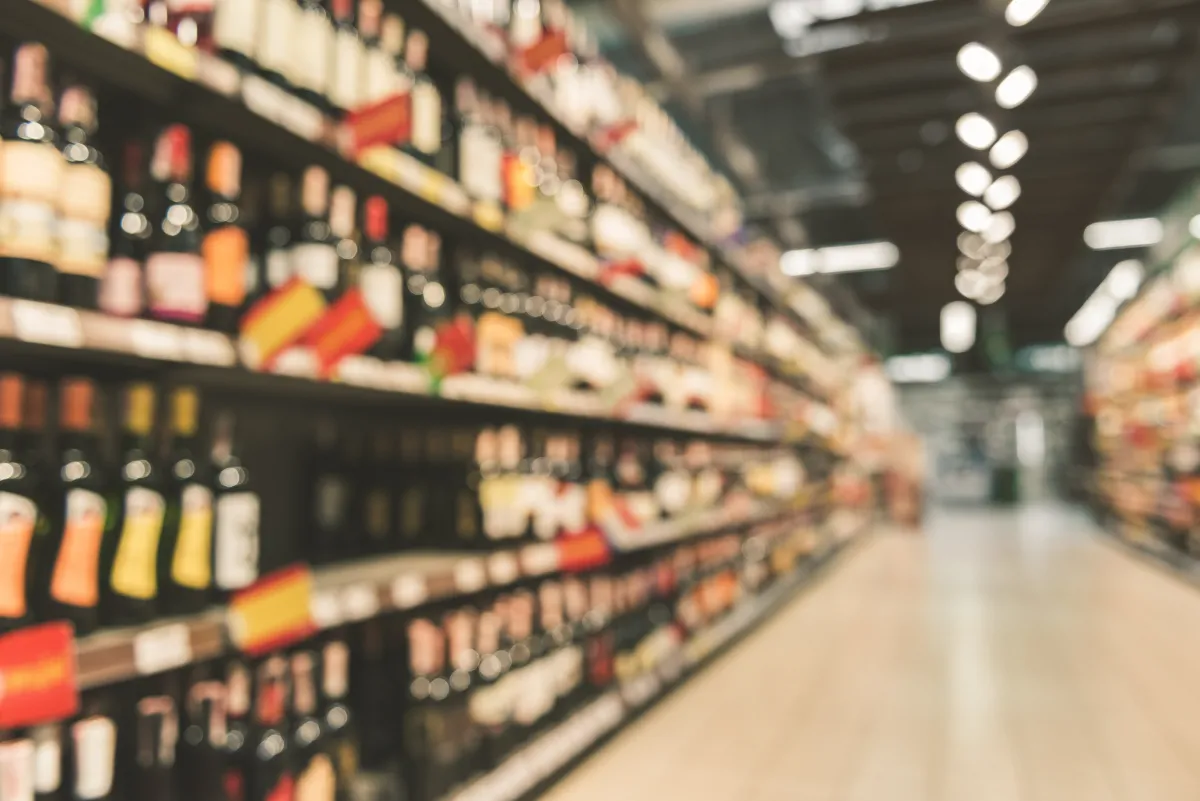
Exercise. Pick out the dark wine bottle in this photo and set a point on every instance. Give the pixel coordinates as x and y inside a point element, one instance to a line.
<point>185,564</point>
<point>346,86</point>
<point>382,281</point>
<point>312,53</point>
<point>271,776</point>
<point>174,265</point>
<point>156,738</point>
<point>314,255</point>
<point>316,777</point>
<point>85,202</point>
<point>238,746</point>
<point>276,259</point>
<point>235,514</point>
<point>20,514</point>
<point>202,757</point>
<point>226,246</point>
<point>94,746</point>
<point>122,289</point>
<point>48,784</point>
<point>340,730</point>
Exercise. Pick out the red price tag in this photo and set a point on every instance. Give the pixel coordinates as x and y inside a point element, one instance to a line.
<point>540,56</point>
<point>37,675</point>
<point>274,613</point>
<point>583,552</point>
<point>346,329</point>
<point>387,122</point>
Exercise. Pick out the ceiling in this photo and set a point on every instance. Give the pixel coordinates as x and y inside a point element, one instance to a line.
<point>858,143</point>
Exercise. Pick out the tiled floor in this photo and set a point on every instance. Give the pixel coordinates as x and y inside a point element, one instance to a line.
<point>1000,656</point>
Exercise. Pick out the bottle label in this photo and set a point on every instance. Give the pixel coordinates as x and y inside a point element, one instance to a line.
<point>274,45</point>
<point>134,569</point>
<point>318,781</point>
<point>381,80</point>
<point>30,171</point>
<point>95,745</point>
<point>175,286</point>
<point>426,117</point>
<point>383,290</point>
<point>47,763</point>
<point>480,156</point>
<point>226,251</point>
<point>27,229</point>
<point>346,88</point>
<point>673,490</point>
<point>237,516</point>
<point>316,263</point>
<point>16,770</point>
<point>76,577</point>
<point>279,267</point>
<point>121,288</point>
<point>82,248</point>
<point>18,515</point>
<point>85,193</point>
<point>311,47</point>
<point>191,565</point>
<point>235,25</point>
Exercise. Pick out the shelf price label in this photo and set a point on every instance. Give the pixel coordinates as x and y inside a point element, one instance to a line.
<point>470,575</point>
<point>46,324</point>
<point>274,613</point>
<point>409,590</point>
<point>38,680</point>
<point>162,648</point>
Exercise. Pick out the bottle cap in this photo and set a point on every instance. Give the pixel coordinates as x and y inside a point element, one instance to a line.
<point>76,397</point>
<point>376,213</point>
<point>370,12</point>
<point>12,387</point>
<point>139,408</point>
<point>31,63</point>
<point>185,409</point>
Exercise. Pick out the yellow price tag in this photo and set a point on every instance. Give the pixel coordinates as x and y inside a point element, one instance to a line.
<point>163,49</point>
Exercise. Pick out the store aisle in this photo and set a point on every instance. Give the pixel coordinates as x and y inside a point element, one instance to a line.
<point>1003,656</point>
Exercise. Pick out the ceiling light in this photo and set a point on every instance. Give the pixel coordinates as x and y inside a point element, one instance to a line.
<point>994,270</point>
<point>965,263</point>
<point>1016,87</point>
<point>978,62</point>
<point>1000,228</point>
<point>992,294</point>
<point>972,178</point>
<point>840,259</point>
<point>1114,234</point>
<point>1021,12</point>
<point>997,250</point>
<point>1003,192</point>
<point>1008,150</point>
<point>1100,309</point>
<point>971,245</point>
<point>975,130</point>
<point>970,283</point>
<point>1124,279</point>
<point>918,368</point>
<point>958,326</point>
<point>974,216</point>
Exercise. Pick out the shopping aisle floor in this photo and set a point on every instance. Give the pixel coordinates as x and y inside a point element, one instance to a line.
<point>1001,656</point>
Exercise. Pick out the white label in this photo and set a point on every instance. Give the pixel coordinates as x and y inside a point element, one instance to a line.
<point>617,232</point>
<point>673,489</point>
<point>162,649</point>
<point>312,46</point>
<point>359,602</point>
<point>503,568</point>
<point>277,29</point>
<point>316,263</point>
<point>279,267</point>
<point>46,324</point>
<point>427,117</point>
<point>82,248</point>
<point>121,288</point>
<point>27,229</point>
<point>85,193</point>
<point>95,744</point>
<point>408,591</point>
<point>326,612</point>
<point>208,347</point>
<point>16,770</point>
<point>156,340</point>
<point>383,291</point>
<point>235,26</point>
<point>236,562</point>
<point>480,157</point>
<point>30,171</point>
<point>175,286</point>
<point>346,89</point>
<point>381,78</point>
<point>47,762</point>
<point>538,560</point>
<point>470,575</point>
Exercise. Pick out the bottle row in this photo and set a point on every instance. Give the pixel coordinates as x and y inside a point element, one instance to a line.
<point>411,706</point>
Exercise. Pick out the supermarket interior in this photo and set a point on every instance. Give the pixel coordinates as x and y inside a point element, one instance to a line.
<point>655,400</point>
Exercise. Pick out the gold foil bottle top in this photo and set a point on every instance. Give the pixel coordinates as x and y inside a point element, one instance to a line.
<point>185,411</point>
<point>139,408</point>
<point>12,390</point>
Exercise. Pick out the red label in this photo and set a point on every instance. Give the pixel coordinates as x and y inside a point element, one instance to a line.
<point>549,49</point>
<point>347,328</point>
<point>37,675</point>
<point>583,551</point>
<point>387,122</point>
<point>613,135</point>
<point>454,350</point>
<point>274,613</point>
<point>630,266</point>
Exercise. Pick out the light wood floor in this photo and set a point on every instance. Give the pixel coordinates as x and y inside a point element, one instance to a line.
<point>996,657</point>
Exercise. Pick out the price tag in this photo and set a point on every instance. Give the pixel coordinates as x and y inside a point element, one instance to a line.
<point>156,340</point>
<point>46,324</point>
<point>326,612</point>
<point>274,613</point>
<point>163,648</point>
<point>360,601</point>
<point>503,568</point>
<point>487,214</point>
<point>208,347</point>
<point>433,186</point>
<point>302,119</point>
<point>409,173</point>
<point>162,48</point>
<point>539,560</point>
<point>409,591</point>
<point>297,362</point>
<point>470,575</point>
<point>37,672</point>
<point>219,75</point>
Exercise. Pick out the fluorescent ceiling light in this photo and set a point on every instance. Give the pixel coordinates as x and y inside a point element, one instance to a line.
<point>1124,279</point>
<point>992,294</point>
<point>1003,192</point>
<point>1114,234</point>
<point>974,216</point>
<point>970,283</point>
<point>1021,12</point>
<point>1000,227</point>
<point>971,245</point>
<point>997,250</point>
<point>972,178</point>
<point>978,63</point>
<point>1016,87</point>
<point>1194,227</point>
<point>966,263</point>
<point>975,130</point>
<point>790,19</point>
<point>918,368</point>
<point>994,270</point>
<point>1008,150</point>
<point>1094,317</point>
<point>840,259</point>
<point>958,326</point>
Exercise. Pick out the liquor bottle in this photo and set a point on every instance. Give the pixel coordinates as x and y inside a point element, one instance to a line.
<point>349,56</point>
<point>277,24</point>
<point>122,289</point>
<point>375,497</point>
<point>132,578</point>
<point>19,507</point>
<point>236,30</point>
<point>83,518</point>
<point>379,64</point>
<point>236,510</point>
<point>439,498</point>
<point>337,716</point>
<point>238,746</point>
<point>462,476</point>
<point>191,22</point>
<point>382,281</point>
<point>156,737</point>
<point>84,202</point>
<point>330,498</point>
<point>30,170</point>
<point>226,246</point>
<point>519,166</point>
<point>277,255</point>
<point>174,266</point>
<point>342,218</point>
<point>201,759</point>
<point>16,767</point>
<point>425,305</point>
<point>48,784</point>
<point>412,505</point>
<point>270,774</point>
<point>94,748</point>
<point>311,51</point>
<point>316,777</point>
<point>185,563</point>
<point>426,139</point>
<point>314,255</point>
<point>480,151</point>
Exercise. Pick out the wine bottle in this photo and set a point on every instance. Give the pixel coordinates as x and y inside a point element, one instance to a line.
<point>236,30</point>
<point>48,782</point>
<point>235,514</point>
<point>347,85</point>
<point>338,717</point>
<point>462,476</point>
<point>277,258</point>
<point>84,202</point>
<point>83,517</point>
<point>426,138</point>
<point>316,777</point>
<point>311,49</point>
<point>330,499</point>
<point>277,24</point>
<point>94,746</point>
<point>156,739</point>
<point>412,503</point>
<point>314,255</point>
<point>202,758</point>
<point>20,515</point>
<point>191,22</point>
<point>375,498</point>
<point>174,266</point>
<point>343,216</point>
<point>16,767</point>
<point>271,776</point>
<point>426,308</point>
<point>30,173</point>
<point>185,565</point>
<point>479,148</point>
<point>379,62</point>
<point>226,246</point>
<point>238,746</point>
<point>382,281</point>
<point>122,291</point>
